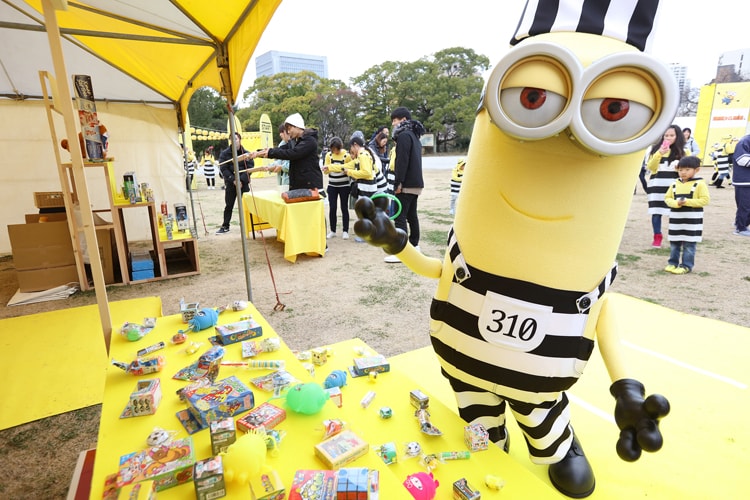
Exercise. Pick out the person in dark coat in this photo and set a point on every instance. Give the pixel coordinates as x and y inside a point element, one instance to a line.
<point>227,173</point>
<point>302,153</point>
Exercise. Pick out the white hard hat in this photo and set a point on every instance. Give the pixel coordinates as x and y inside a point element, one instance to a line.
<point>295,120</point>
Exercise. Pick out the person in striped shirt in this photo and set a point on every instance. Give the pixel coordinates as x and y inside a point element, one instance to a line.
<point>686,198</point>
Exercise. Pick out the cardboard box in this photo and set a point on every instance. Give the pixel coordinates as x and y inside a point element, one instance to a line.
<point>50,217</point>
<point>266,415</point>
<point>223,434</point>
<point>370,364</point>
<point>35,280</point>
<point>237,332</point>
<point>167,465</point>
<point>341,449</point>
<point>145,399</point>
<point>41,245</point>
<point>267,486</point>
<point>208,478</point>
<point>106,240</point>
<point>316,485</point>
<point>225,398</point>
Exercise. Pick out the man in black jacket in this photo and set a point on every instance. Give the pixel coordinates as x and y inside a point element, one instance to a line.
<point>407,167</point>
<point>245,162</point>
<point>302,153</point>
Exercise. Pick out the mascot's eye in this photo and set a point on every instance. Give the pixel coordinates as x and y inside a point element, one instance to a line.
<point>615,120</point>
<point>531,107</point>
<point>614,109</point>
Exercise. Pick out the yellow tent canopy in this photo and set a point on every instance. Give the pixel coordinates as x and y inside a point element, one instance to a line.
<point>153,51</point>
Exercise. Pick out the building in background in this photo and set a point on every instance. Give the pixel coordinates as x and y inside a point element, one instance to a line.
<point>273,62</point>
<point>680,74</point>
<point>734,66</point>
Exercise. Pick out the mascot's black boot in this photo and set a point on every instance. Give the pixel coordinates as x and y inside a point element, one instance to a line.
<point>573,475</point>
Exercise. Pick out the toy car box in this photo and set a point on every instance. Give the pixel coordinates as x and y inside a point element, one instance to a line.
<point>376,364</point>
<point>237,332</point>
<point>166,465</point>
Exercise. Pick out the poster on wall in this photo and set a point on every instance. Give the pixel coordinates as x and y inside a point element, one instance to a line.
<point>729,115</point>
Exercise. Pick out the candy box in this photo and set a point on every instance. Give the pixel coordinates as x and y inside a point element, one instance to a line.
<point>363,366</point>
<point>237,332</point>
<point>266,415</point>
<point>208,479</point>
<point>462,490</point>
<point>341,449</point>
<point>224,398</point>
<point>267,486</point>
<point>476,437</point>
<point>145,399</point>
<point>166,465</point>
<point>222,434</point>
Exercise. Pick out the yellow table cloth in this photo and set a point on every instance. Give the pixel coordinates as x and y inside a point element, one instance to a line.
<point>118,437</point>
<point>300,226</point>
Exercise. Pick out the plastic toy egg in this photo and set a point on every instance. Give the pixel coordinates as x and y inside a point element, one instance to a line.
<point>307,399</point>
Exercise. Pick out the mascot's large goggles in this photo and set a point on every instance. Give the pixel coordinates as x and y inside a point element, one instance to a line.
<point>620,104</point>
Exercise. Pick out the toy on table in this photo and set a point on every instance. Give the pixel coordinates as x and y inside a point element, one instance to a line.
<point>160,437</point>
<point>387,453</point>
<point>341,449</point>
<point>236,332</point>
<point>429,461</point>
<point>332,426</point>
<point>266,364</point>
<point>385,412</point>
<point>167,465</point>
<point>412,449</point>
<point>307,399</point>
<point>224,398</point>
<point>192,347</point>
<point>462,490</point>
<point>337,378</point>
<point>201,320</point>
<point>208,478</point>
<point>207,366</point>
<point>188,310</point>
<point>276,382</point>
<point>152,348</point>
<point>421,486</point>
<point>251,348</point>
<point>179,338</point>
<point>244,459</point>
<point>222,434</point>
<point>144,400</point>
<point>425,425</point>
<point>265,415</point>
<point>142,366</point>
<point>494,482</point>
<point>134,331</point>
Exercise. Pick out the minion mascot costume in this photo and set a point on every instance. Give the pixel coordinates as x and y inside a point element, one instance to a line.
<point>555,152</point>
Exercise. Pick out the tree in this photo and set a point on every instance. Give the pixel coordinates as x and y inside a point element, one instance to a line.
<point>207,109</point>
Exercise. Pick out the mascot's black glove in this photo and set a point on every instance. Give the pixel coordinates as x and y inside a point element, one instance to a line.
<point>376,228</point>
<point>638,419</point>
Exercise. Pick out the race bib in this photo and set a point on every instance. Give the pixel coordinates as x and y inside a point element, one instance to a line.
<point>512,323</point>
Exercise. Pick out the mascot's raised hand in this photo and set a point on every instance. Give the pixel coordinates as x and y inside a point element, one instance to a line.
<point>522,292</point>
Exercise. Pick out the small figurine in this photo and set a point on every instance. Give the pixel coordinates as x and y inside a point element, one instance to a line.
<point>421,486</point>
<point>337,378</point>
<point>307,399</point>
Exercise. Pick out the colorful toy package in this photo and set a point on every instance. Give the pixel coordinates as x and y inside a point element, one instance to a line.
<point>341,449</point>
<point>167,465</point>
<point>266,415</point>
<point>225,398</point>
<point>369,364</point>
<point>208,479</point>
<point>144,400</point>
<point>237,332</point>
<point>355,483</point>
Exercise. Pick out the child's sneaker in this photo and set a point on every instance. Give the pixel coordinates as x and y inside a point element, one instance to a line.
<point>681,270</point>
<point>657,241</point>
<point>670,268</point>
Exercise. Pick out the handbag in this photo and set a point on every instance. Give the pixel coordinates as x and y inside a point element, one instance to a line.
<point>353,195</point>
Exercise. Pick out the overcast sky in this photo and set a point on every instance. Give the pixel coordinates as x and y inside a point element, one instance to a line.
<point>357,35</point>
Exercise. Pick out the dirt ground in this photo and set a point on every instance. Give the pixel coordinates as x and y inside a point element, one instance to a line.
<point>349,293</point>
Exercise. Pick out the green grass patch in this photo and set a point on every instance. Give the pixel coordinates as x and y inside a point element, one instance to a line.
<point>436,237</point>
<point>625,259</point>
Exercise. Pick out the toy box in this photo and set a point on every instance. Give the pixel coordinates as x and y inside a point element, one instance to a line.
<point>462,490</point>
<point>237,332</point>
<point>266,415</point>
<point>167,465</point>
<point>145,399</point>
<point>267,486</point>
<point>208,479</point>
<point>334,394</point>
<point>363,366</point>
<point>346,484</point>
<point>419,399</point>
<point>138,491</point>
<point>476,437</point>
<point>341,449</point>
<point>225,398</point>
<point>222,433</point>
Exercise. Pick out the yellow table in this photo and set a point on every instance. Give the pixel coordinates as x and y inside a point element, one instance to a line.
<point>301,226</point>
<point>118,437</point>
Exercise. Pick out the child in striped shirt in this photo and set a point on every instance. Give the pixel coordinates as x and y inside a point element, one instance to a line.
<point>686,198</point>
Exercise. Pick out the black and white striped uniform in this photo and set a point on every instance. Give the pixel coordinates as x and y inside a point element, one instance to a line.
<point>209,169</point>
<point>337,179</point>
<point>722,167</point>
<point>504,340</point>
<point>686,223</point>
<point>658,184</point>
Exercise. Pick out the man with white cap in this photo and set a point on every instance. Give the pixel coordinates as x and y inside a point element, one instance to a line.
<point>302,153</point>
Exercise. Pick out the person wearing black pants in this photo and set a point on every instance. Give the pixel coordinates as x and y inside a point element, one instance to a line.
<point>244,162</point>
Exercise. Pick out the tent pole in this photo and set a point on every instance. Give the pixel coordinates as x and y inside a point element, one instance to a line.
<point>79,177</point>
<point>189,182</point>
<point>238,185</point>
